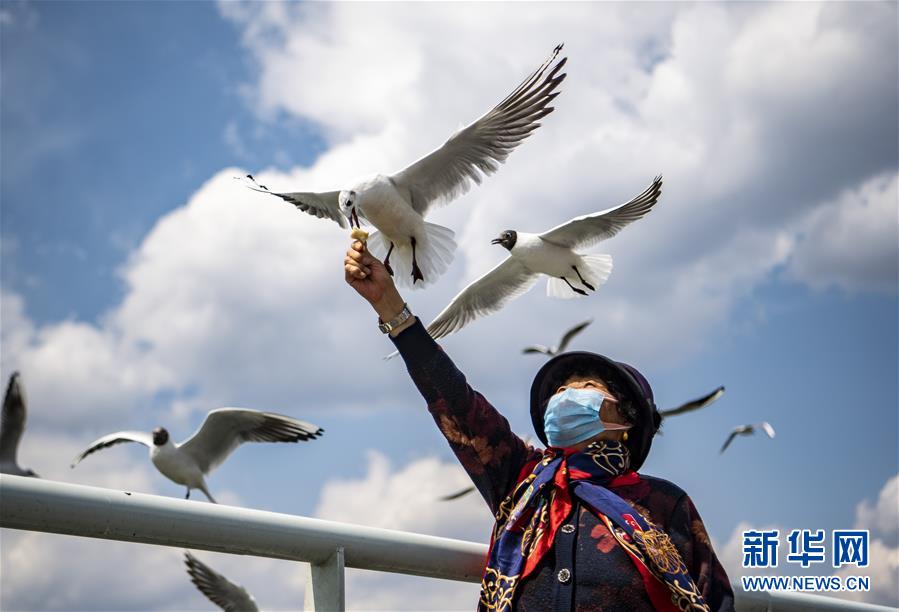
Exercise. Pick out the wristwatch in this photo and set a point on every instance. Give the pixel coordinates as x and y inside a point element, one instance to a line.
<point>396,321</point>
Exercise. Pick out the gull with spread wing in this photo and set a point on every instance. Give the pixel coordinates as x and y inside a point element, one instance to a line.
<point>551,254</point>
<point>12,425</point>
<point>696,404</point>
<point>218,589</point>
<point>563,343</point>
<point>396,204</point>
<point>221,433</point>
<point>748,430</point>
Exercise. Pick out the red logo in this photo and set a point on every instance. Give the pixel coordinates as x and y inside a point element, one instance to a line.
<point>630,520</point>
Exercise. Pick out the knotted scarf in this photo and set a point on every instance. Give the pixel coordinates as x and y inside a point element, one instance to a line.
<point>528,519</point>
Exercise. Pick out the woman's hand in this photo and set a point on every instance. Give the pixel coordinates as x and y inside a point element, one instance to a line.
<point>369,277</point>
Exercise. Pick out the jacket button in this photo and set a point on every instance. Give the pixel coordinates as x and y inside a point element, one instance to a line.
<point>568,528</point>
<point>563,576</point>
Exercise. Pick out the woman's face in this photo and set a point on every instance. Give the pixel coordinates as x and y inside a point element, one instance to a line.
<point>608,412</point>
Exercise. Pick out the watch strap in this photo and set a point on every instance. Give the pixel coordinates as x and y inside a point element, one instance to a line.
<point>396,321</point>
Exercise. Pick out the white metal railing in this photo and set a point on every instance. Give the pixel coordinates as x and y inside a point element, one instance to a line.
<point>55,507</point>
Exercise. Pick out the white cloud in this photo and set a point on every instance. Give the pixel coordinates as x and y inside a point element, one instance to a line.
<point>882,572</point>
<point>852,242</point>
<point>80,370</point>
<point>881,519</point>
<point>236,298</point>
<point>406,498</point>
<point>731,554</point>
<point>226,294</point>
<point>52,572</point>
<point>716,123</point>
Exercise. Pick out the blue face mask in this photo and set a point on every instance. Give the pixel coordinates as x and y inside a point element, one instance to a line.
<point>572,416</point>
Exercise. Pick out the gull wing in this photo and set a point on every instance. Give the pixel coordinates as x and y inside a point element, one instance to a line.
<point>457,494</point>
<point>571,333</point>
<point>537,348</point>
<point>141,437</point>
<point>730,439</point>
<point>218,589</point>
<point>696,404</point>
<point>12,421</point>
<point>478,150</point>
<point>766,427</point>
<point>323,205</point>
<point>587,230</point>
<point>484,296</point>
<point>227,428</point>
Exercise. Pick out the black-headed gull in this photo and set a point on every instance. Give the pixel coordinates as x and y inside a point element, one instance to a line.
<point>396,204</point>
<point>552,254</point>
<point>747,430</point>
<point>563,343</point>
<point>218,589</point>
<point>12,425</point>
<point>696,404</point>
<point>222,431</point>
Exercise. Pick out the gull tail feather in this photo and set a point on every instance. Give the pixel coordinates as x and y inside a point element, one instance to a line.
<point>594,268</point>
<point>434,253</point>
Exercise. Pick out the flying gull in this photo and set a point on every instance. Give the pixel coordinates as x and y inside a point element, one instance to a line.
<point>12,425</point>
<point>747,430</point>
<point>552,254</point>
<point>218,589</point>
<point>397,204</point>
<point>699,402</point>
<point>222,431</point>
<point>563,343</point>
<point>457,494</point>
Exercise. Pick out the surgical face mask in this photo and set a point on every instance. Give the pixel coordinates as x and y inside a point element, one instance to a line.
<point>572,416</point>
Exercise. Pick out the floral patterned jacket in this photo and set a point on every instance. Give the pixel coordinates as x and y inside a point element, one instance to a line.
<point>600,575</point>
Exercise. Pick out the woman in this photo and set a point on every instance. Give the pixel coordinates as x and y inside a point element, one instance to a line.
<point>576,526</point>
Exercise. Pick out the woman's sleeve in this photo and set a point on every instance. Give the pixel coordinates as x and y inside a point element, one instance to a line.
<point>478,434</point>
<point>688,533</point>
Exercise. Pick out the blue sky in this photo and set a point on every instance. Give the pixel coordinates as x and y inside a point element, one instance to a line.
<point>141,286</point>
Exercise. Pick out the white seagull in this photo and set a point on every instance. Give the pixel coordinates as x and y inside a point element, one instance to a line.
<point>563,343</point>
<point>12,425</point>
<point>696,404</point>
<point>396,204</point>
<point>222,431</point>
<point>218,589</point>
<point>551,253</point>
<point>747,430</point>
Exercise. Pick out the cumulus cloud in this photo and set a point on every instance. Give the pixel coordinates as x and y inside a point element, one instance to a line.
<point>880,518</point>
<point>225,295</point>
<point>852,242</point>
<point>52,572</point>
<point>734,192</point>
<point>405,497</point>
<point>236,298</point>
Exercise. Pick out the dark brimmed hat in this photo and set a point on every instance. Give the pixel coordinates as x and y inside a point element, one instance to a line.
<point>557,370</point>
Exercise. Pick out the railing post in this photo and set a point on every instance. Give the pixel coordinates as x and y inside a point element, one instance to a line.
<point>324,585</point>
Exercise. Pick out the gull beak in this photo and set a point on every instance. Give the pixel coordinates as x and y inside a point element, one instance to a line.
<point>496,241</point>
